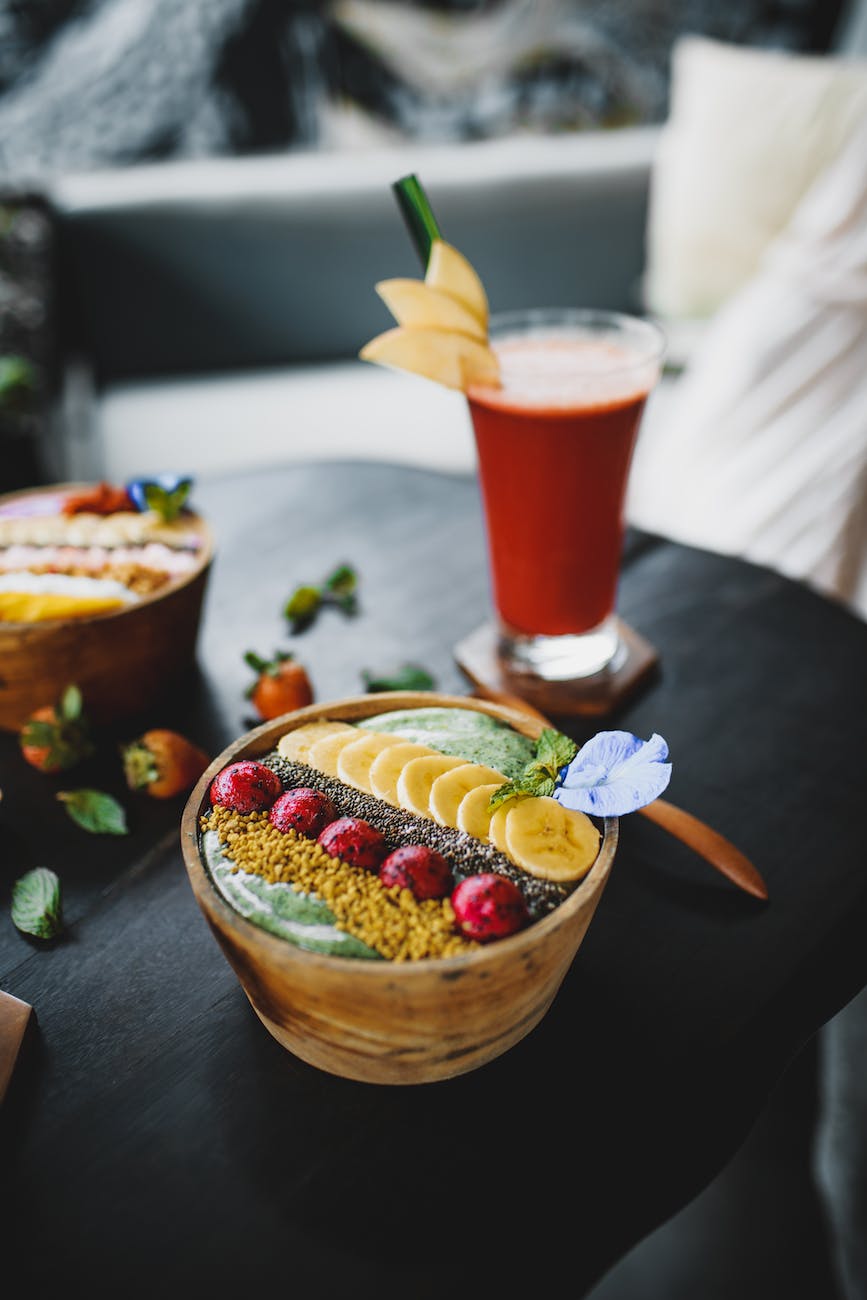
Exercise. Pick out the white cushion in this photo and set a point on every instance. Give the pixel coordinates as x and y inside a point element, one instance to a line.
<point>763,449</point>
<point>748,133</point>
<point>246,420</point>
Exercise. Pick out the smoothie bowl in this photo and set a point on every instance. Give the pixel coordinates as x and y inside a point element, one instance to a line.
<point>101,588</point>
<point>387,918</point>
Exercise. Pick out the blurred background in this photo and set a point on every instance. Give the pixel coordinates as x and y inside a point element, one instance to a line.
<point>195,205</point>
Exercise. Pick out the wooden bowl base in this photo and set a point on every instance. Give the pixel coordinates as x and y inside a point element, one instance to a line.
<point>478,658</point>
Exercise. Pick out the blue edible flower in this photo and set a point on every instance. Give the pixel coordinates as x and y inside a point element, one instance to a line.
<point>613,774</point>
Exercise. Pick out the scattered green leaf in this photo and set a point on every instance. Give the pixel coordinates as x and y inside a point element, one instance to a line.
<point>339,588</point>
<point>17,376</point>
<point>94,811</point>
<point>410,677</point>
<point>71,704</point>
<point>37,905</point>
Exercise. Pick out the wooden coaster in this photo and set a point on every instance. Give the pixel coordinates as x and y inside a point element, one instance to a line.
<point>14,1015</point>
<point>478,658</point>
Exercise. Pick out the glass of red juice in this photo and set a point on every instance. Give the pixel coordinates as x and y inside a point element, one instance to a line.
<point>554,444</point>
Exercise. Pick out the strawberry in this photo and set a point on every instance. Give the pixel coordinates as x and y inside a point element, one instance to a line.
<point>489,907</point>
<point>303,810</point>
<point>162,763</point>
<point>423,871</point>
<point>57,736</point>
<point>245,786</point>
<point>281,684</point>
<point>355,841</point>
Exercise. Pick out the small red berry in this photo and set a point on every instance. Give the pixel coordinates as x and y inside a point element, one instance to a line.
<point>245,786</point>
<point>303,810</point>
<point>355,841</point>
<point>489,907</point>
<point>423,871</point>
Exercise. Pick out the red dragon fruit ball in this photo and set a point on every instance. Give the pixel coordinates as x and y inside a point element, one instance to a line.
<point>303,810</point>
<point>423,871</point>
<point>420,870</point>
<point>354,841</point>
<point>245,787</point>
<point>489,907</point>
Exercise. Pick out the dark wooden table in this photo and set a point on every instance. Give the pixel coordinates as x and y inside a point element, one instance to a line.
<point>154,1136</point>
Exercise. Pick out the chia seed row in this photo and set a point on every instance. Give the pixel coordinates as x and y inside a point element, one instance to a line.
<point>467,856</point>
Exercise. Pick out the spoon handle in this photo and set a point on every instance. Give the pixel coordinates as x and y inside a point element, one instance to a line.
<point>708,843</point>
<point>719,852</point>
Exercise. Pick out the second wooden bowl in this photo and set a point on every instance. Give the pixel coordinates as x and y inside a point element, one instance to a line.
<point>123,661</point>
<point>386,1022</point>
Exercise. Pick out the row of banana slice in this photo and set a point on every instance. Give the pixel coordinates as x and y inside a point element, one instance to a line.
<point>536,833</point>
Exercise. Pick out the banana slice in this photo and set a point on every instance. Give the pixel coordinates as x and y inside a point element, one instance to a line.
<point>295,745</point>
<point>474,815</point>
<point>354,760</point>
<point>550,841</point>
<point>497,828</point>
<point>386,768</point>
<point>448,790</point>
<point>416,779</point>
<point>324,752</point>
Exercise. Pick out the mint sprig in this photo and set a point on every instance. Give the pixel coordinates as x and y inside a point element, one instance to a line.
<point>167,504</point>
<point>410,677</point>
<point>339,588</point>
<point>539,777</point>
<point>37,907</point>
<point>94,811</point>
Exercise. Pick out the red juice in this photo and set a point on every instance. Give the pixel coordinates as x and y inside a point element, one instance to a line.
<point>554,446</point>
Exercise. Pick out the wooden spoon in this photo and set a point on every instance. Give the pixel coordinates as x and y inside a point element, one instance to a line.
<point>706,842</point>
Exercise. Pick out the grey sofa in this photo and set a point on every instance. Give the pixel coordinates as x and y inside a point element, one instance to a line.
<point>186,286</point>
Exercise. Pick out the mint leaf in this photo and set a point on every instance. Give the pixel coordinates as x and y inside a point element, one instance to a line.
<point>167,503</point>
<point>16,376</point>
<point>71,704</point>
<point>94,811</point>
<point>339,588</point>
<point>37,905</point>
<point>531,782</point>
<point>539,777</point>
<point>302,606</point>
<point>342,582</point>
<point>554,750</point>
<point>511,790</point>
<point>411,677</point>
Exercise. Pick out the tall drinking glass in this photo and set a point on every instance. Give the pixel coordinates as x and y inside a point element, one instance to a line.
<point>554,445</point>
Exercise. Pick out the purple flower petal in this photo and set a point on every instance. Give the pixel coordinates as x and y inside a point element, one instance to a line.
<point>615,773</point>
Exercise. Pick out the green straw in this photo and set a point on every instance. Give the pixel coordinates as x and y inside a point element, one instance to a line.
<point>418,214</point>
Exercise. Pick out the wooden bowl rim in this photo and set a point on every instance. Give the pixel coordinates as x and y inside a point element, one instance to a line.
<point>204,559</point>
<point>261,740</point>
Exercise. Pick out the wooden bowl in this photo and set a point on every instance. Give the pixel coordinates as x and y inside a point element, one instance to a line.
<point>387,1022</point>
<point>122,661</point>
